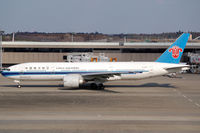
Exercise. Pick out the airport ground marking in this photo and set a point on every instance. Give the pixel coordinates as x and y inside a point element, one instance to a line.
<point>187,98</point>
<point>197,104</point>
<point>184,96</point>
<point>190,100</point>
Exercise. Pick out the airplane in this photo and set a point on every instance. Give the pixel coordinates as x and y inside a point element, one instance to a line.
<point>74,75</point>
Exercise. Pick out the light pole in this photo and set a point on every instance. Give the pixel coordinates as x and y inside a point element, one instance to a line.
<point>73,36</point>
<point>1,33</point>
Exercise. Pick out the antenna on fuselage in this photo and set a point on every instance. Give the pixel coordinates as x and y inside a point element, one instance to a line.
<point>1,33</point>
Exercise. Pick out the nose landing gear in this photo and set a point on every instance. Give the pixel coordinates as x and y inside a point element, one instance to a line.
<point>18,83</point>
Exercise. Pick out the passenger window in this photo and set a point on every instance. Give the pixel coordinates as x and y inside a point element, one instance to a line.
<point>34,67</point>
<point>30,68</point>
<point>43,68</point>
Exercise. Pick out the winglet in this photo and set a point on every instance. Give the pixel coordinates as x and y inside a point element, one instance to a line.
<point>174,53</point>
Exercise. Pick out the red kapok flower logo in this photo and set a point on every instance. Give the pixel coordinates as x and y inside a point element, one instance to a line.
<point>175,51</point>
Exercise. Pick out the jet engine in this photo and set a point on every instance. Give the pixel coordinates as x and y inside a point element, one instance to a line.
<point>73,80</point>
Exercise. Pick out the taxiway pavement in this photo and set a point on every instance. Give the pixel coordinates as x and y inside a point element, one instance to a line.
<point>158,104</point>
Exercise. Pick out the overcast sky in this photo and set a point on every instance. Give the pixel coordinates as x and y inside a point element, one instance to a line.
<point>105,16</point>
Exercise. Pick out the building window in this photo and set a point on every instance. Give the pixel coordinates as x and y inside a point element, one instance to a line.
<point>64,57</point>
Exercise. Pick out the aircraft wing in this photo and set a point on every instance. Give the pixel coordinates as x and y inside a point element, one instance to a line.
<point>105,75</point>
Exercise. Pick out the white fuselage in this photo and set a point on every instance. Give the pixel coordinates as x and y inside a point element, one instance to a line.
<point>57,71</point>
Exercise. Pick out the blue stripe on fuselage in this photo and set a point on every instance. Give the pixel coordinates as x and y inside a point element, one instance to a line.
<point>9,73</point>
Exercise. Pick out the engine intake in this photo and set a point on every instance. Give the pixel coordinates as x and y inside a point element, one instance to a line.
<point>73,80</point>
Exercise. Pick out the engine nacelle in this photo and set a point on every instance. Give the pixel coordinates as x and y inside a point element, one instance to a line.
<point>73,80</point>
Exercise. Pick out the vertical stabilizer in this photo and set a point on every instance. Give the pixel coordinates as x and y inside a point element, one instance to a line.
<point>174,53</point>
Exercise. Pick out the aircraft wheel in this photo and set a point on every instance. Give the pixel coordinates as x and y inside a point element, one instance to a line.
<point>94,86</point>
<point>101,87</point>
<point>18,83</point>
<point>97,86</point>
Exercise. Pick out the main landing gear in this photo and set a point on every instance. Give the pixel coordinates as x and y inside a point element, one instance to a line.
<point>98,86</point>
<point>18,83</point>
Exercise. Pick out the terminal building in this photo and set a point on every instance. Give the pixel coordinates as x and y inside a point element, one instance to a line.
<point>19,52</point>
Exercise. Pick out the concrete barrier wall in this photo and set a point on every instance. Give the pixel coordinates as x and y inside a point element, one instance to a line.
<point>20,57</point>
<point>15,58</point>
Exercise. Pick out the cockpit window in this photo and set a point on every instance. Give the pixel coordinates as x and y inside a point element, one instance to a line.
<point>5,69</point>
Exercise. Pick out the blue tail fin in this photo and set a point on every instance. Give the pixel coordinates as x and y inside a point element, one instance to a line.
<point>174,53</point>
